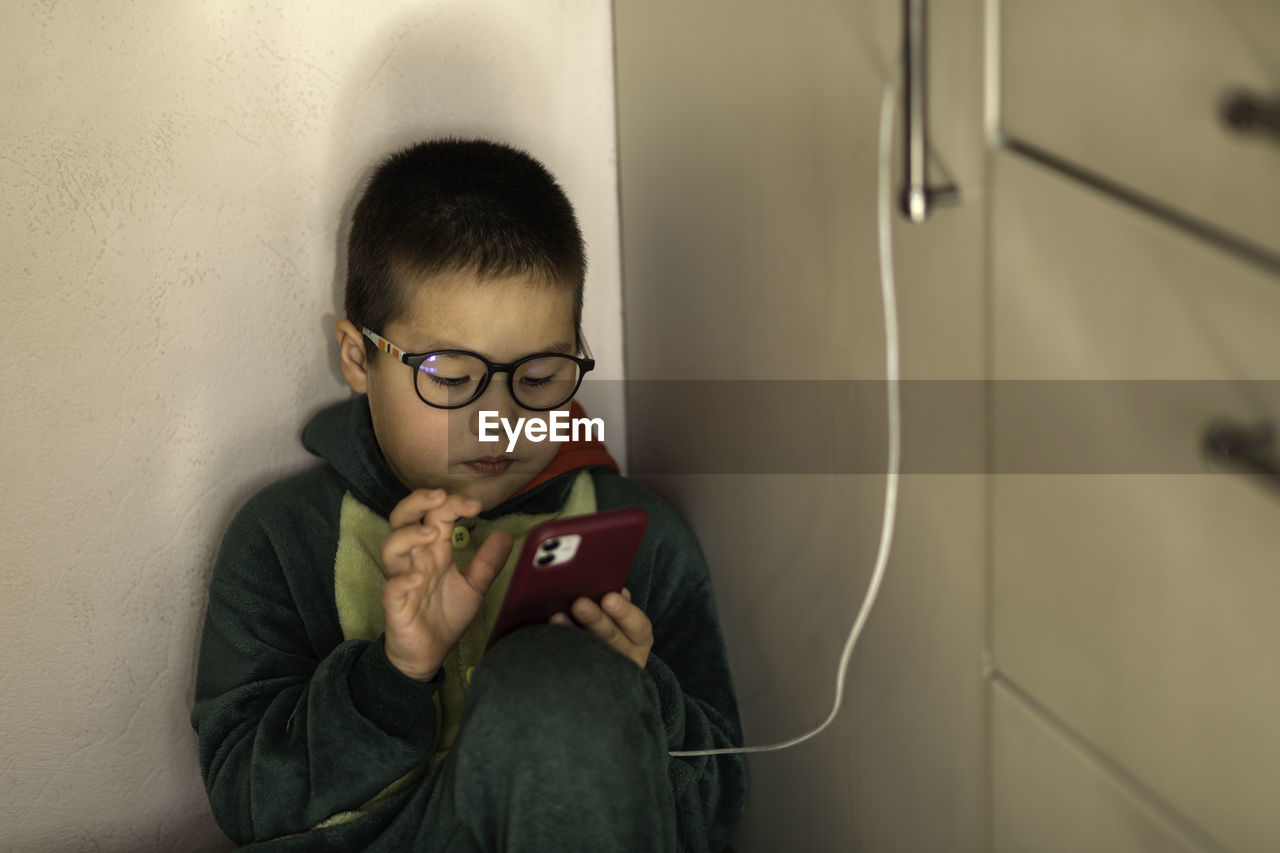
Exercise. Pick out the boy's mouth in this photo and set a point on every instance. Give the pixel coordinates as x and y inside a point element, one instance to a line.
<point>489,466</point>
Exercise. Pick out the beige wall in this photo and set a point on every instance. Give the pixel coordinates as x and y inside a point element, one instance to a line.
<point>748,188</point>
<point>173,177</point>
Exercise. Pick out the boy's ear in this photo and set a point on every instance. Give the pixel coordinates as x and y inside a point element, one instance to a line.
<point>355,367</point>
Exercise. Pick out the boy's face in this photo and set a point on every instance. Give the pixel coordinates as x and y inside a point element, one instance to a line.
<point>500,319</point>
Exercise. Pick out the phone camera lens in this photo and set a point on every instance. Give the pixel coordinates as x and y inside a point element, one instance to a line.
<point>551,544</point>
<point>544,559</point>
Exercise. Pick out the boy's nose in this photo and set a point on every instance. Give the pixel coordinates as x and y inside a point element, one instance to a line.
<point>496,398</point>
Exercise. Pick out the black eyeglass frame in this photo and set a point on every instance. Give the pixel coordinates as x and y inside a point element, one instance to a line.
<point>585,364</point>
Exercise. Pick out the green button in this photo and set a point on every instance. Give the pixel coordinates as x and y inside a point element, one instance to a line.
<point>470,670</point>
<point>461,537</point>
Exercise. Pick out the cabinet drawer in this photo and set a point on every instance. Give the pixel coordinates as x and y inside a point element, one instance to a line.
<point>1130,90</point>
<point>1136,602</point>
<point>1049,796</point>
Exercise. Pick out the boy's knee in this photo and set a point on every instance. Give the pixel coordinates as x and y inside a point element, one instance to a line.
<point>562,738</point>
<point>556,658</point>
<point>561,681</point>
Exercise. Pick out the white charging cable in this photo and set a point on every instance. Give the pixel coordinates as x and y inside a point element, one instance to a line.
<point>895,425</point>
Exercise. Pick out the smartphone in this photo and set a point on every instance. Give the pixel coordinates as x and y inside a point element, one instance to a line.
<point>567,559</point>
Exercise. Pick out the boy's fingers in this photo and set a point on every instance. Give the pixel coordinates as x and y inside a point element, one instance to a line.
<point>488,561</point>
<point>397,593</point>
<point>444,516</point>
<point>397,546</point>
<point>415,506</point>
<point>453,508</point>
<point>595,620</point>
<point>432,506</point>
<point>629,618</point>
<point>604,626</point>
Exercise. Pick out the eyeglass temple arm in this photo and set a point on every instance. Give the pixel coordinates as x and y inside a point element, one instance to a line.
<point>385,345</point>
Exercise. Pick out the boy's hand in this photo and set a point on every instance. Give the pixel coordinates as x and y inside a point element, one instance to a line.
<point>429,603</point>
<point>619,623</point>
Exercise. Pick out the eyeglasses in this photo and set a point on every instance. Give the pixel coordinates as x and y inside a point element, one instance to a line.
<point>454,378</point>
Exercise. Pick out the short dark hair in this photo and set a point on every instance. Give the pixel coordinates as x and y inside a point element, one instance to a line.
<point>458,205</point>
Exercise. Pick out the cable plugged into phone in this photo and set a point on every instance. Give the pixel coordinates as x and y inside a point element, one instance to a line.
<point>895,424</point>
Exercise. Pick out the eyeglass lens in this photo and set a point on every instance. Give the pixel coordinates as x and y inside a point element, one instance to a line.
<point>454,379</point>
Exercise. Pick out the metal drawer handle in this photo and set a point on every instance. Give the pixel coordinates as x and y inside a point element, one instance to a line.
<point>917,195</point>
<point>1248,112</point>
<point>1251,449</point>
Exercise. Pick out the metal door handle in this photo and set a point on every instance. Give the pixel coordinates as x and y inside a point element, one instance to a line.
<point>917,195</point>
<point>1250,449</point>
<point>1248,112</point>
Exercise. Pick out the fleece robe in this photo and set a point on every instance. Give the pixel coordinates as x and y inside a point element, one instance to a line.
<point>311,740</point>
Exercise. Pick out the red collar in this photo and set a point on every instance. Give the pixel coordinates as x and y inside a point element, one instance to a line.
<point>572,455</point>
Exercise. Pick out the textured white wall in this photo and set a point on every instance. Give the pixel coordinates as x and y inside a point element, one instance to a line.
<point>174,177</point>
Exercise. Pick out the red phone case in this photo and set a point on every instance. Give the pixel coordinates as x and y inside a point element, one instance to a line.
<point>607,547</point>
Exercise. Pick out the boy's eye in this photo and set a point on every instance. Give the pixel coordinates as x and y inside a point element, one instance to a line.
<point>452,374</point>
<point>546,371</point>
<point>449,381</point>
<point>451,370</point>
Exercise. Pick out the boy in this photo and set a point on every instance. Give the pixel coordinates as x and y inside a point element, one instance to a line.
<point>342,701</point>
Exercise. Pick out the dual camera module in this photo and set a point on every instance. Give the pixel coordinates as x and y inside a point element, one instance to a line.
<point>557,550</point>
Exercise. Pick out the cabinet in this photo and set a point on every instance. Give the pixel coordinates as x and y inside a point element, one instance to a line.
<point>1133,588</point>
<point>1134,304</point>
<point>1131,92</point>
